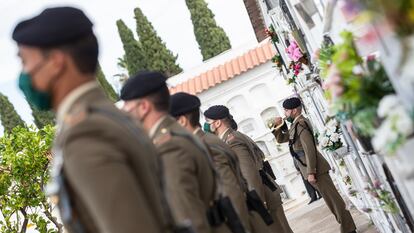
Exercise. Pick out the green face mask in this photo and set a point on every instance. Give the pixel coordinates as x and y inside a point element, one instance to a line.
<point>290,119</point>
<point>207,127</point>
<point>40,100</point>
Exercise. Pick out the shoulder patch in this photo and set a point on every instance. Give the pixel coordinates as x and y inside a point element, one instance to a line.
<point>163,138</point>
<point>230,138</point>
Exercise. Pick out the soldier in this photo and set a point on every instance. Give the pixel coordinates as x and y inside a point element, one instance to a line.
<point>104,165</point>
<point>220,122</point>
<point>312,164</point>
<point>186,109</point>
<point>188,172</point>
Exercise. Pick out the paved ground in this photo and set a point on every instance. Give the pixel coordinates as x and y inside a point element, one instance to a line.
<point>316,218</point>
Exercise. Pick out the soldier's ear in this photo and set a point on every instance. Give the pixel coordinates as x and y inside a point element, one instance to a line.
<point>217,124</point>
<point>182,120</point>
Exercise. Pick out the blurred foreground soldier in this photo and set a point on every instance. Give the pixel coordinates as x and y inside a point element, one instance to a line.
<point>186,109</point>
<point>260,183</point>
<point>312,164</point>
<point>188,172</point>
<point>104,165</point>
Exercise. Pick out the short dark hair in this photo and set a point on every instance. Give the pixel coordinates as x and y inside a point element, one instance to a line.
<point>84,53</point>
<point>160,99</point>
<point>194,117</point>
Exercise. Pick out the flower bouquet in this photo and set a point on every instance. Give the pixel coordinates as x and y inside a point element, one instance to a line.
<point>385,197</point>
<point>277,60</point>
<point>396,127</point>
<point>295,68</point>
<point>330,138</point>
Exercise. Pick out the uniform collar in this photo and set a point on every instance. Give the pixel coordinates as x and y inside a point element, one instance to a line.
<point>221,136</point>
<point>195,132</point>
<point>72,97</point>
<point>154,128</point>
<point>297,118</point>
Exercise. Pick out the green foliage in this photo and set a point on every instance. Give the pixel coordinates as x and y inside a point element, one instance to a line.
<point>42,118</point>
<point>8,116</point>
<point>271,32</point>
<point>24,171</point>
<point>134,58</point>
<point>346,59</point>
<point>325,58</point>
<point>212,39</point>
<point>108,89</point>
<point>156,54</point>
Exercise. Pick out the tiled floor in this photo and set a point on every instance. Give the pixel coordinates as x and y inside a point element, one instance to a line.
<point>316,218</point>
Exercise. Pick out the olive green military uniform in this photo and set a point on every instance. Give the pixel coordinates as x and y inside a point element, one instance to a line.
<point>189,175</point>
<point>110,168</point>
<point>234,184</point>
<point>251,161</point>
<point>316,164</point>
<point>273,199</point>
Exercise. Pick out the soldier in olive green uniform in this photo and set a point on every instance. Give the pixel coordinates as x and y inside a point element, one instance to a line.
<point>250,156</point>
<point>312,164</point>
<point>188,173</point>
<point>104,168</point>
<point>186,109</point>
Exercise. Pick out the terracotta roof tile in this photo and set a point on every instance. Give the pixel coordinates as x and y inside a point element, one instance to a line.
<point>229,71</point>
<point>226,71</point>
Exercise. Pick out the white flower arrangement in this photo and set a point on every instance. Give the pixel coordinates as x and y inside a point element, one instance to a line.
<point>330,138</point>
<point>396,127</point>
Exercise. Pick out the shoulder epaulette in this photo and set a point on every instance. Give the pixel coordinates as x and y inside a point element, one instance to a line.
<point>164,137</point>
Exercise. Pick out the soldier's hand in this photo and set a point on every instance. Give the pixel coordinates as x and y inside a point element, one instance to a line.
<point>278,121</point>
<point>312,178</point>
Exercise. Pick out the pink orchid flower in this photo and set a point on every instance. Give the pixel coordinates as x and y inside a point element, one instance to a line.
<point>294,52</point>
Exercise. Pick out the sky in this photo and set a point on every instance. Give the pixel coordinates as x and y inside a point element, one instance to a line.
<point>170,18</point>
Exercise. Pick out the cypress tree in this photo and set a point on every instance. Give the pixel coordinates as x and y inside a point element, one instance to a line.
<point>8,116</point>
<point>108,89</point>
<point>157,56</point>
<point>42,118</point>
<point>212,39</point>
<point>134,57</point>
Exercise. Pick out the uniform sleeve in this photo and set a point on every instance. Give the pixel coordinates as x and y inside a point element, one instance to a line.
<point>281,135</point>
<point>248,167</point>
<point>308,145</point>
<point>182,186</point>
<point>99,174</point>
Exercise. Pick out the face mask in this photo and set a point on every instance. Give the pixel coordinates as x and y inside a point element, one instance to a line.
<point>40,100</point>
<point>207,127</point>
<point>289,117</point>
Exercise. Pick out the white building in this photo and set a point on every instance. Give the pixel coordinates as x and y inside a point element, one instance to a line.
<point>246,81</point>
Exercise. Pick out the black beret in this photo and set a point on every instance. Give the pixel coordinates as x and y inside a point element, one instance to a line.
<point>53,27</point>
<point>292,103</point>
<point>182,103</point>
<point>217,112</point>
<point>143,84</point>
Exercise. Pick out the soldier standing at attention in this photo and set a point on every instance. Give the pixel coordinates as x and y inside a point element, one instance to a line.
<point>312,164</point>
<point>220,122</point>
<point>186,109</point>
<point>104,166</point>
<point>188,172</point>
